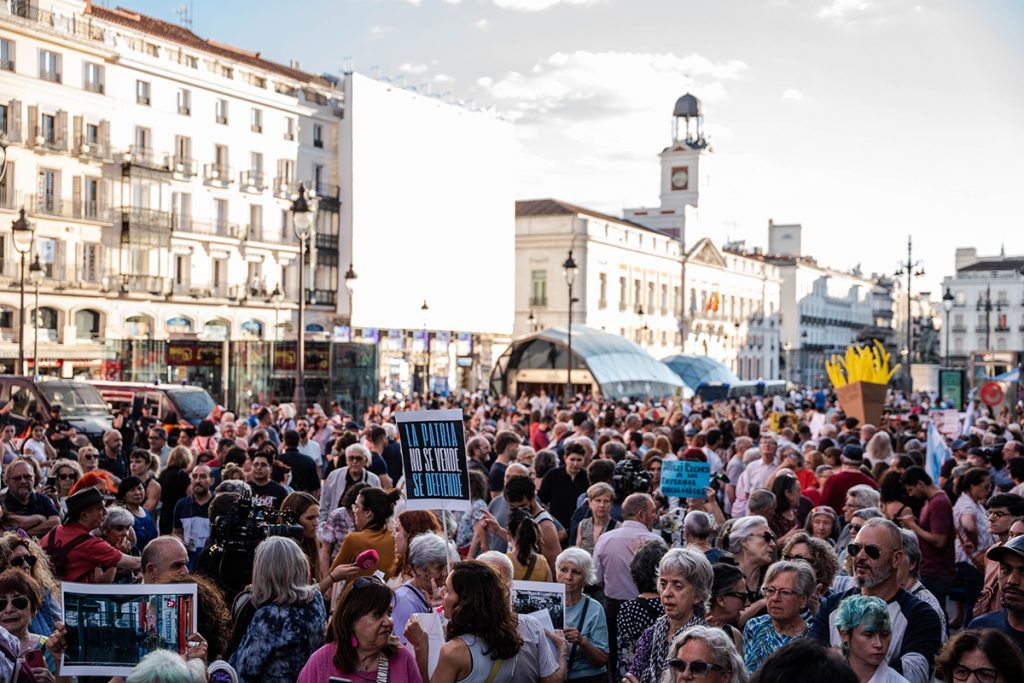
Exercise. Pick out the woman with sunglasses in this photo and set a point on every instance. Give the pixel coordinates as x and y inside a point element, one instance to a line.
<point>865,628</point>
<point>684,585</point>
<point>65,474</point>
<point>704,653</point>
<point>88,458</point>
<point>23,553</point>
<point>752,543</point>
<point>788,587</point>
<point>132,494</point>
<point>360,643</point>
<point>20,598</point>
<point>985,656</point>
<point>117,530</point>
<point>728,598</point>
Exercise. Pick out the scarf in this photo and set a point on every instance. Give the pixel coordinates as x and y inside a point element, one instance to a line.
<point>660,644</point>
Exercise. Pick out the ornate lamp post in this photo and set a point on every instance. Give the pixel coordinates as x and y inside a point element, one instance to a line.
<point>35,275</point>
<point>532,321</point>
<point>24,238</point>
<point>350,285</point>
<point>947,306</point>
<point>987,306</point>
<point>569,269</point>
<point>302,222</point>
<point>424,309</point>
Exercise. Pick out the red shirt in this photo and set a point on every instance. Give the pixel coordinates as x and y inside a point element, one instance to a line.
<point>86,556</point>
<point>937,517</point>
<point>836,486</point>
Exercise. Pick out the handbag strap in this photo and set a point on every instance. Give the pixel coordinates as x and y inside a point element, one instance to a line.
<point>382,669</point>
<point>490,676</point>
<point>579,627</point>
<point>529,567</point>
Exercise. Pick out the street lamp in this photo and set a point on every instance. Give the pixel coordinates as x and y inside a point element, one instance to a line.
<point>947,306</point>
<point>302,222</point>
<point>23,234</point>
<point>3,161</point>
<point>569,269</point>
<point>986,306</point>
<point>787,347</point>
<point>532,320</point>
<point>35,275</point>
<point>350,284</point>
<point>426,346</point>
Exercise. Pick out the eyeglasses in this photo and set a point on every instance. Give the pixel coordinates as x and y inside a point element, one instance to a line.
<point>739,595</point>
<point>698,668</point>
<point>998,513</point>
<point>21,603</point>
<point>768,537</point>
<point>29,560</point>
<point>854,530</point>
<point>784,593</point>
<point>791,557</point>
<point>364,581</point>
<point>873,551</point>
<point>962,673</point>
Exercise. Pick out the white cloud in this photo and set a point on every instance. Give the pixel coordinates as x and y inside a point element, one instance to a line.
<point>376,31</point>
<point>792,95</point>
<point>443,78</point>
<point>412,68</point>
<point>483,24</point>
<point>414,3</point>
<point>485,81</point>
<point>840,9</point>
<point>538,5</point>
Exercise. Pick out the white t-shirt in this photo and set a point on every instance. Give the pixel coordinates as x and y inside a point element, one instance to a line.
<point>37,449</point>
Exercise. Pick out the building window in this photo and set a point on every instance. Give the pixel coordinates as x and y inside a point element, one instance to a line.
<point>222,112</point>
<point>87,324</point>
<point>191,61</point>
<point>256,163</point>
<point>319,187</point>
<point>255,218</point>
<point>318,135</point>
<point>221,209</point>
<point>6,54</point>
<point>181,270</point>
<point>602,303</point>
<point>142,137</point>
<point>539,288</point>
<point>5,120</point>
<point>142,93</point>
<point>650,298</point>
<point>623,294</point>
<point>49,66</point>
<point>256,124</point>
<point>289,128</point>
<point>664,299</point>
<point>638,298</point>
<point>227,72</point>
<point>48,128</point>
<point>91,197</point>
<point>184,102</point>
<point>92,77</point>
<point>151,49</point>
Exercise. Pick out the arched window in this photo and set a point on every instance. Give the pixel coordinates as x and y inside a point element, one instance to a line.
<point>252,329</point>
<point>47,319</point>
<point>314,327</point>
<point>179,324</point>
<point>6,318</point>
<point>87,324</point>
<point>138,327</point>
<point>218,330</point>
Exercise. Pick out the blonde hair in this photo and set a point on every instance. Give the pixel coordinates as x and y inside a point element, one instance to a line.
<point>41,572</point>
<point>280,573</point>
<point>180,456</point>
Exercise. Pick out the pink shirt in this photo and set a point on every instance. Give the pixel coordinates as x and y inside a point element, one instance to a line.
<point>320,667</point>
<point>613,553</point>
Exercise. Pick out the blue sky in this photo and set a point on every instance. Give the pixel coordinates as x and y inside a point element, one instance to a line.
<point>866,120</point>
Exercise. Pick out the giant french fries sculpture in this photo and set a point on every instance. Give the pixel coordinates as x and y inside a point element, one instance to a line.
<point>861,378</point>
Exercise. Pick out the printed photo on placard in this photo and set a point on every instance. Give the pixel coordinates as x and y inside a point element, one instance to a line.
<point>531,597</point>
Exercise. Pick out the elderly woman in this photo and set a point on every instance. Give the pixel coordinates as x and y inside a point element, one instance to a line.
<point>408,526</point>
<point>752,543</point>
<point>288,623</point>
<point>117,530</point>
<point>986,656</point>
<point>586,631</point>
<point>704,653</point>
<point>639,614</point>
<point>65,473</point>
<point>146,466</point>
<point>822,522</point>
<point>684,585</point>
<point>599,497</point>
<point>360,643</point>
<point>132,493</point>
<point>866,630</point>
<point>21,597</point>
<point>25,554</point>
<point>428,557</point>
<point>788,587</point>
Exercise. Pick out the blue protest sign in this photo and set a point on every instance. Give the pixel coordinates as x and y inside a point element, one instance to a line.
<point>685,478</point>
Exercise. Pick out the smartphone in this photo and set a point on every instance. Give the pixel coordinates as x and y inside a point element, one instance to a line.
<point>51,481</point>
<point>34,659</point>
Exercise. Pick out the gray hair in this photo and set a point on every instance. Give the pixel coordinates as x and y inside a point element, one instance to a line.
<point>868,513</point>
<point>116,516</point>
<point>723,652</point>
<point>167,667</point>
<point>895,537</point>
<point>499,562</point>
<point>865,496</point>
<point>236,486</point>
<point>71,464</point>
<point>698,524</point>
<point>390,429</point>
<point>694,566</point>
<point>583,561</point>
<point>760,501</point>
<point>280,573</point>
<point>742,529</point>
<point>911,550</point>
<point>358,449</point>
<point>806,582</point>
<point>430,549</point>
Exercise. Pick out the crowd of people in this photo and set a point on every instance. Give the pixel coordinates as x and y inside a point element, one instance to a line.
<point>821,548</point>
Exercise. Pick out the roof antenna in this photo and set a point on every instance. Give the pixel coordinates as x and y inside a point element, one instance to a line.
<point>185,12</point>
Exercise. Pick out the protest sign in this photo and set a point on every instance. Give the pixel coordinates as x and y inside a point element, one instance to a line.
<point>111,627</point>
<point>530,597</point>
<point>947,421</point>
<point>434,459</point>
<point>685,478</point>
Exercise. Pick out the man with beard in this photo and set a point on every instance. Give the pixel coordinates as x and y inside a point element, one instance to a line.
<point>877,553</point>
<point>1010,619</point>
<point>192,513</point>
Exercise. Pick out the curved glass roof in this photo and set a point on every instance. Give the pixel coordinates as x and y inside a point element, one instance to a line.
<point>621,368</point>
<point>696,369</point>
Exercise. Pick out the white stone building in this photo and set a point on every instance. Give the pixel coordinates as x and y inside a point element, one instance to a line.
<point>157,169</point>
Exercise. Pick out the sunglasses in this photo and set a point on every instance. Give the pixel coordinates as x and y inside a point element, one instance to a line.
<point>698,668</point>
<point>364,581</point>
<point>738,595</point>
<point>962,673</point>
<point>873,551</point>
<point>66,477</point>
<point>768,537</point>
<point>18,603</point>
<point>790,557</point>
<point>24,560</point>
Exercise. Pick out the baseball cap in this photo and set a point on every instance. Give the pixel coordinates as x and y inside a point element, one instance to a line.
<point>1015,546</point>
<point>959,444</point>
<point>854,454</point>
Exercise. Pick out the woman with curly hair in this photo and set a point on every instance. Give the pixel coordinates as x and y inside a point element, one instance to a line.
<point>822,558</point>
<point>482,632</point>
<point>25,554</point>
<point>988,654</point>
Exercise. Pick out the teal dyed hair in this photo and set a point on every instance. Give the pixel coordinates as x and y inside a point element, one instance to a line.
<point>862,610</point>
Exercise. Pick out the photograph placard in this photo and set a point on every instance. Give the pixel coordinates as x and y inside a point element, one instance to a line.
<point>530,597</point>
<point>111,627</point>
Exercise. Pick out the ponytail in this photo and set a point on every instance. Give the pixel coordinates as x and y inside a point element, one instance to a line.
<point>526,534</point>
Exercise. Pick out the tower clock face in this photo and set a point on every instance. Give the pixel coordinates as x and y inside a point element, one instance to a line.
<point>680,178</point>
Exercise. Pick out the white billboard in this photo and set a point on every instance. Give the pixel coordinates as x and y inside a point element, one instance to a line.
<point>428,212</point>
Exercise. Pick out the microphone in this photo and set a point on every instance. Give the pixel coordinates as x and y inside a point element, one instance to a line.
<point>367,559</point>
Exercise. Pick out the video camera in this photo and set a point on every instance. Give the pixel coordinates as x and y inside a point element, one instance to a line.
<point>630,477</point>
<point>242,529</point>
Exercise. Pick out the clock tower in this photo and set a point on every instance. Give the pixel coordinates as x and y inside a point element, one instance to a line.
<point>680,171</point>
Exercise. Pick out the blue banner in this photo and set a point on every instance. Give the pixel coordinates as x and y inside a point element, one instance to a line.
<point>685,478</point>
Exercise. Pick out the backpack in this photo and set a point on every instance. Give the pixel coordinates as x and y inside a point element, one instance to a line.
<point>58,553</point>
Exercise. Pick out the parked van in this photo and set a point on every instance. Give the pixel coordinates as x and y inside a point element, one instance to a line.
<point>173,405</point>
<point>81,405</point>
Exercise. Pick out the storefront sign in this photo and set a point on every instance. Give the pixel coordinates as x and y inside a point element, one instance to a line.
<point>196,353</point>
<point>434,458</point>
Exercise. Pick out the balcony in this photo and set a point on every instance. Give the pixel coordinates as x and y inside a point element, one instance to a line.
<point>144,100</point>
<point>51,76</point>
<point>6,197</point>
<point>222,119</point>
<point>959,328</point>
<point>184,168</point>
<point>76,25</point>
<point>88,277</point>
<point>321,297</point>
<point>217,174</point>
<point>93,87</point>
<point>285,188</point>
<point>219,228</point>
<point>144,284</point>
<point>90,210</point>
<point>145,217</point>
<point>326,242</point>
<point>145,157</point>
<point>45,205</point>
<point>253,181</point>
<point>7,64</point>
<point>184,110</point>
<point>93,150</point>
<point>51,142</point>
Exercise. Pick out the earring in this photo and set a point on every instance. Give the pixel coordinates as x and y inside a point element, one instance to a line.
<point>355,643</point>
